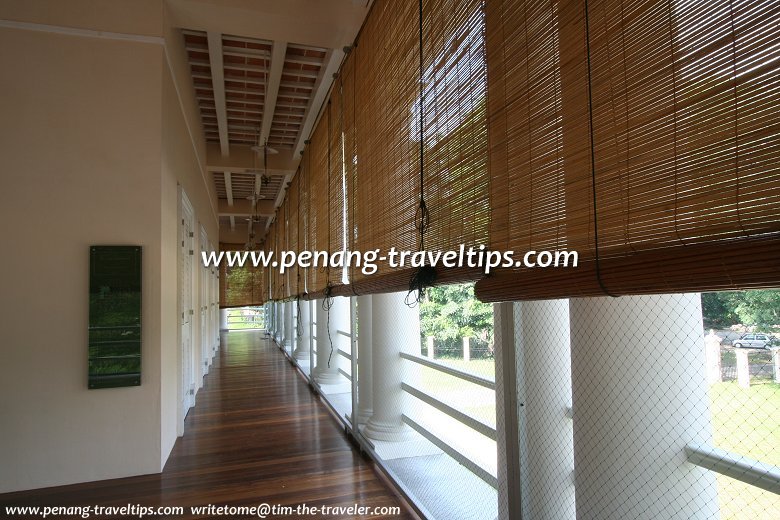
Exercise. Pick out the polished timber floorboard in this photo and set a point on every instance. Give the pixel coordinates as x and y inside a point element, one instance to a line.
<point>256,435</point>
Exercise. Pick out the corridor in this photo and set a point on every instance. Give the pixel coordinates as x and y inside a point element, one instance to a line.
<point>256,435</point>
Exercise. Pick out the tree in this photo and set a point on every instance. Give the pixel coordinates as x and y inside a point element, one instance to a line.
<point>451,312</point>
<point>759,308</point>
<point>718,310</point>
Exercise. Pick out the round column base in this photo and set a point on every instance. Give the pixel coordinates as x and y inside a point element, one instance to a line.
<point>300,354</point>
<point>364,415</point>
<point>390,432</point>
<point>327,376</point>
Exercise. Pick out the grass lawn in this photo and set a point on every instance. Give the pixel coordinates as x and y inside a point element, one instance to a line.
<point>471,399</point>
<point>747,422</point>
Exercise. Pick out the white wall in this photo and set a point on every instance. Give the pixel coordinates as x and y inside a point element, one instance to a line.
<point>93,144</point>
<point>80,154</point>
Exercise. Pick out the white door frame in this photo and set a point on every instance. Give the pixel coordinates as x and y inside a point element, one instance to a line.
<point>205,344</point>
<point>186,306</point>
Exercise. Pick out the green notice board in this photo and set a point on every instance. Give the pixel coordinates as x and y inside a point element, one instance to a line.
<point>114,316</point>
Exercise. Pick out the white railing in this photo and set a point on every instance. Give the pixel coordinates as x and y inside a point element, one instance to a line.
<point>452,412</point>
<point>460,374</point>
<point>744,469</point>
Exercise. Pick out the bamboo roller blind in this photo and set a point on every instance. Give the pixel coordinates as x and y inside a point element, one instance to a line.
<point>241,286</point>
<point>318,201</point>
<point>683,191</point>
<point>304,215</point>
<point>387,135</point>
<point>293,226</point>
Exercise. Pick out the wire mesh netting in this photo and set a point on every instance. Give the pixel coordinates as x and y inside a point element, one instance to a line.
<point>626,407</point>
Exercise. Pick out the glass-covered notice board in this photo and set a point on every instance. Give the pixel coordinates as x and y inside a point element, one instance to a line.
<point>114,316</point>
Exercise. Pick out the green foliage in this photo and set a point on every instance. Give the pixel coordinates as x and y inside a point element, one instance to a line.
<point>717,310</point>
<point>452,312</point>
<point>759,308</point>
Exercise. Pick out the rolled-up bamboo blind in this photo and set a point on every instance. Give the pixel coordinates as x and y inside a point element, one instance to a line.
<point>679,187</point>
<point>271,244</point>
<point>241,286</point>
<point>334,121</point>
<point>304,225</point>
<point>386,90</point>
<point>319,226</point>
<point>293,240</point>
<point>287,214</point>
<point>387,121</point>
<point>268,273</point>
<point>346,84</point>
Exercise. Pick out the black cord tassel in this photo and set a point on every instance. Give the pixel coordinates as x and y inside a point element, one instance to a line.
<point>424,276</point>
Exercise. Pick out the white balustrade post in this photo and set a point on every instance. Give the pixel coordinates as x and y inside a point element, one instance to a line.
<point>743,368</point>
<point>712,355</point>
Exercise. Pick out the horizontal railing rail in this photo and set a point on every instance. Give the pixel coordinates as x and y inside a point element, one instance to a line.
<point>744,469</point>
<point>454,372</point>
<point>453,453</point>
<point>115,327</point>
<point>469,421</point>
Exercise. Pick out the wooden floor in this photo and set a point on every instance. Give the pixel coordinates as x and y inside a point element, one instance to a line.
<point>257,435</point>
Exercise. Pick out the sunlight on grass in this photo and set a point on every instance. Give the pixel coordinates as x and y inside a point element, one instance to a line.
<point>473,400</point>
<point>747,422</point>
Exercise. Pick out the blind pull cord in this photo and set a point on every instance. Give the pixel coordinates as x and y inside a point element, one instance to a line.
<point>425,275</point>
<point>327,301</point>
<point>593,158</point>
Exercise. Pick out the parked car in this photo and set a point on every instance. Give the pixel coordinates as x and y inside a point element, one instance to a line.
<point>756,340</point>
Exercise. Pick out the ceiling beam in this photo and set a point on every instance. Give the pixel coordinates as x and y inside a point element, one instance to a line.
<point>229,188</point>
<point>278,52</point>
<point>218,86</point>
<point>283,190</point>
<point>242,158</point>
<point>243,208</point>
<point>274,80</point>
<point>321,86</point>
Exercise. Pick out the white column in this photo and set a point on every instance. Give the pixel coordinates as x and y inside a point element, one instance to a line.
<point>279,322</point>
<point>289,341</point>
<point>395,328</point>
<point>302,336</point>
<point>223,319</point>
<point>365,369</point>
<point>542,344</point>
<point>274,319</point>
<point>743,368</point>
<point>640,396</point>
<point>326,372</point>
